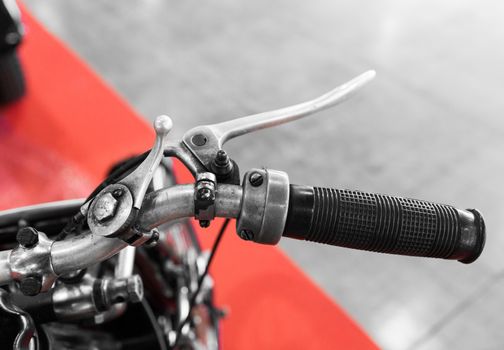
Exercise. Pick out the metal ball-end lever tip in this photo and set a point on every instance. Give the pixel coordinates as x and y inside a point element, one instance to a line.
<point>205,141</point>
<point>114,209</point>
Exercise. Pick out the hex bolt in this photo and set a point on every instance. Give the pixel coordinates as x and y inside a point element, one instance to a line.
<point>117,193</point>
<point>199,140</point>
<point>256,179</point>
<point>246,235</point>
<point>30,285</point>
<point>105,207</point>
<point>27,237</point>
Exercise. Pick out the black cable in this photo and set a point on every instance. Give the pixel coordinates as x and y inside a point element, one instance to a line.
<point>155,325</point>
<point>192,302</point>
<point>117,174</point>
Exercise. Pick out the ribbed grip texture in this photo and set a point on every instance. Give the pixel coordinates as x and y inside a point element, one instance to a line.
<point>382,223</point>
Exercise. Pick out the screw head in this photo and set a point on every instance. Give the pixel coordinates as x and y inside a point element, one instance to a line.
<point>30,285</point>
<point>205,194</point>
<point>256,179</point>
<point>199,140</point>
<point>105,207</point>
<point>246,235</point>
<point>27,237</point>
<point>117,193</point>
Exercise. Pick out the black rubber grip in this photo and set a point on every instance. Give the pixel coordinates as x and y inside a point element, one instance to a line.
<point>384,224</point>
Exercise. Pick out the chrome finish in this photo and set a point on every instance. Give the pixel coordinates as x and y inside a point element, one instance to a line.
<point>74,301</point>
<point>124,268</point>
<point>159,207</point>
<point>125,263</point>
<point>93,296</point>
<point>121,290</point>
<point>138,181</point>
<point>276,208</point>
<point>5,274</point>
<point>27,338</point>
<point>82,251</point>
<point>103,217</point>
<point>265,206</point>
<point>169,204</point>
<point>216,135</point>
<point>34,261</point>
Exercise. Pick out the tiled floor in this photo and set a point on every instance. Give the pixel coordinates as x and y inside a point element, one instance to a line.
<point>429,127</point>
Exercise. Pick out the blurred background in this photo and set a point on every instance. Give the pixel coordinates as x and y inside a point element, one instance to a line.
<point>430,126</point>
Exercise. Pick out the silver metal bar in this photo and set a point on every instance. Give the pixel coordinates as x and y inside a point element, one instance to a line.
<point>159,207</point>
<point>80,252</point>
<point>165,205</point>
<point>126,263</point>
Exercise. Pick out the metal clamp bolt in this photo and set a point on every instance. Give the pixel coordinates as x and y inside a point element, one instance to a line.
<point>27,237</point>
<point>204,198</point>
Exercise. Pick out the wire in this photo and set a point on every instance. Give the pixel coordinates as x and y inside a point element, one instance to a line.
<point>157,330</point>
<point>192,302</point>
<point>117,174</point>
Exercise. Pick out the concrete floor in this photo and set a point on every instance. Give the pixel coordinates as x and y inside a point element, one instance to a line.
<point>429,127</point>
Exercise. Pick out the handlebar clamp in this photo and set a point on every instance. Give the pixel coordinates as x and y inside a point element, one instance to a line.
<point>204,198</point>
<point>265,205</point>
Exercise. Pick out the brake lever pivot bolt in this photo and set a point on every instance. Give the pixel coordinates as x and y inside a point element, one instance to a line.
<point>105,207</point>
<point>27,237</point>
<point>199,140</point>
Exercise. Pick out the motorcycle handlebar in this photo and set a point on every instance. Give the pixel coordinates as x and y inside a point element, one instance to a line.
<point>384,224</point>
<point>338,217</point>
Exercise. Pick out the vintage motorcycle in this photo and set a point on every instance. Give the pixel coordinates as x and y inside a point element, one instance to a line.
<point>122,269</point>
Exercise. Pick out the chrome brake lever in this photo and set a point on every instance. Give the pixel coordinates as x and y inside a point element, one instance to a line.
<point>114,209</point>
<point>205,141</point>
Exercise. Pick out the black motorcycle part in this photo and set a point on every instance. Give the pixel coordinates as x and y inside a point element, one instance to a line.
<point>384,224</point>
